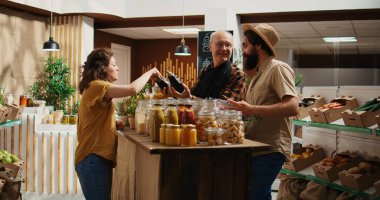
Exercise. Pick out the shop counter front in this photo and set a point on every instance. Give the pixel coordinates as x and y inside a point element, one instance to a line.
<point>149,171</point>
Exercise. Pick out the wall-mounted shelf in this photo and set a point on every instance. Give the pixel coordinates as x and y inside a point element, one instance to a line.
<point>308,174</point>
<point>339,126</point>
<point>10,123</point>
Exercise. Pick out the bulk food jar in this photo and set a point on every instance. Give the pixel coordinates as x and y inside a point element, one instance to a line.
<point>171,115</point>
<point>156,118</point>
<point>140,118</point>
<point>205,120</point>
<point>233,126</point>
<point>186,114</point>
<point>188,135</point>
<point>173,135</point>
<point>215,136</point>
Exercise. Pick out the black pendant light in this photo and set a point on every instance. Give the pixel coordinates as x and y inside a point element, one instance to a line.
<point>182,49</point>
<point>51,45</point>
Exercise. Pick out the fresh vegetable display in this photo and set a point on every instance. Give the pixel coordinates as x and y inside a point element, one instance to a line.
<point>372,106</point>
<point>305,153</point>
<point>365,167</point>
<point>7,158</point>
<point>338,160</point>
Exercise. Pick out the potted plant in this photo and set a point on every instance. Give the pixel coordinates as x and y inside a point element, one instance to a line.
<point>121,108</point>
<point>52,84</point>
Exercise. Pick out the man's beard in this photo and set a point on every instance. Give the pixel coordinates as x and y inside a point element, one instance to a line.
<point>250,61</point>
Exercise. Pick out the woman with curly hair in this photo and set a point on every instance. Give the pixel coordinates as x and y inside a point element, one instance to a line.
<point>97,139</point>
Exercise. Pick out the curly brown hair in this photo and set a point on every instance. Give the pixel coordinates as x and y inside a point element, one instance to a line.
<point>95,67</point>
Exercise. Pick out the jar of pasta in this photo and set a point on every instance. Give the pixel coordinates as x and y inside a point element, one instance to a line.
<point>233,126</point>
<point>215,136</point>
<point>173,135</point>
<point>205,120</point>
<point>188,135</point>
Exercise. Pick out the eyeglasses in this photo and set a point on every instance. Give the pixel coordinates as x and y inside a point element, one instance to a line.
<point>224,44</point>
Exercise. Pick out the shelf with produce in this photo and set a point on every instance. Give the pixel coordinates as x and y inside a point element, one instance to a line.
<point>338,125</point>
<point>308,174</point>
<point>10,123</point>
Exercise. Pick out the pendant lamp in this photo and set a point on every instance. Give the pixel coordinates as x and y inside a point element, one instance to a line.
<point>51,45</point>
<point>182,49</point>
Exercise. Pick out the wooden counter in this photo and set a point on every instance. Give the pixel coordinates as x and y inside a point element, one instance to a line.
<point>149,171</point>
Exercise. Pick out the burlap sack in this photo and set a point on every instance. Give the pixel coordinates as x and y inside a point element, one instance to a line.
<point>348,196</point>
<point>11,191</point>
<point>290,187</point>
<point>314,191</point>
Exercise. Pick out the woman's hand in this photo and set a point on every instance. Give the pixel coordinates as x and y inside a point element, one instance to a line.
<point>155,73</point>
<point>170,91</point>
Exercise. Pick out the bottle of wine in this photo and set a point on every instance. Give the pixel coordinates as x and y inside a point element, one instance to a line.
<point>162,83</point>
<point>175,82</point>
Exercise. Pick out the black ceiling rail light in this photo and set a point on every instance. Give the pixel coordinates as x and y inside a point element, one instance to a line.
<point>51,45</point>
<point>182,49</point>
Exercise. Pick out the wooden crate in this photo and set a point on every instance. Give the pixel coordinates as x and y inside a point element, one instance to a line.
<point>4,113</point>
<point>358,182</point>
<point>302,163</point>
<point>330,173</point>
<point>324,115</point>
<point>361,119</point>
<point>16,112</point>
<point>10,171</point>
<point>304,111</point>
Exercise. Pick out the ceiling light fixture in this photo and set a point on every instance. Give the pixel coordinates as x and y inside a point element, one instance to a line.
<point>182,49</point>
<point>51,45</point>
<point>179,31</point>
<point>340,39</point>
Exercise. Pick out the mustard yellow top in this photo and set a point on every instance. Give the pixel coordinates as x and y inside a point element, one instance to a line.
<point>96,123</point>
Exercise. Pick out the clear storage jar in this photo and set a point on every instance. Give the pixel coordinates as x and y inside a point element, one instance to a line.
<point>215,136</point>
<point>156,118</point>
<point>163,133</point>
<point>205,120</point>
<point>188,135</point>
<point>171,115</point>
<point>173,135</point>
<point>233,126</point>
<point>140,119</point>
<point>186,113</point>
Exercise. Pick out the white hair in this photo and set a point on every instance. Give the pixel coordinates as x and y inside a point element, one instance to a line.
<point>219,32</point>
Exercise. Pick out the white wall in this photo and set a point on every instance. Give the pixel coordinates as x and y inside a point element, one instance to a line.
<point>153,8</point>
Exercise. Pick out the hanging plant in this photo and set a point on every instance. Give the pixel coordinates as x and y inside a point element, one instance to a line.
<point>52,84</point>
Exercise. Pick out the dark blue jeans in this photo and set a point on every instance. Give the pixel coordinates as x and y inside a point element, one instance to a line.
<point>95,177</point>
<point>264,171</point>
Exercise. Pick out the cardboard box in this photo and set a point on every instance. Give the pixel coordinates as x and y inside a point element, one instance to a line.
<point>330,173</point>
<point>377,118</point>
<point>16,112</point>
<point>10,171</point>
<point>358,182</point>
<point>304,111</point>
<point>2,183</point>
<point>377,187</point>
<point>361,119</point>
<point>301,163</point>
<point>4,114</point>
<point>325,115</point>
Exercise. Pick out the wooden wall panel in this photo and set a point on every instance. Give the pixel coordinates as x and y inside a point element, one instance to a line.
<point>67,31</point>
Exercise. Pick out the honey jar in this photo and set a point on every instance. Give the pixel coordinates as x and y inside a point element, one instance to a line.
<point>163,133</point>
<point>173,135</point>
<point>23,100</point>
<point>188,135</point>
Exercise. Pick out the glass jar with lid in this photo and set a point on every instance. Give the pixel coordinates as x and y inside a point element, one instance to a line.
<point>173,135</point>
<point>9,98</point>
<point>233,125</point>
<point>23,100</point>
<point>156,118</point>
<point>188,135</point>
<point>186,113</point>
<point>171,115</point>
<point>205,120</point>
<point>215,136</point>
<point>140,118</point>
<point>163,133</point>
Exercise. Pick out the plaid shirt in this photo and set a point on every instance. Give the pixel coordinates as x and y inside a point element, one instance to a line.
<point>233,88</point>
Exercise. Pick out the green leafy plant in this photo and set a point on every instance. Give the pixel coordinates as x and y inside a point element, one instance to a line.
<point>298,79</point>
<point>52,84</point>
<point>2,97</point>
<point>128,105</point>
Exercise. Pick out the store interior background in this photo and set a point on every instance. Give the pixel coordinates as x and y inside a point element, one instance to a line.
<point>138,24</point>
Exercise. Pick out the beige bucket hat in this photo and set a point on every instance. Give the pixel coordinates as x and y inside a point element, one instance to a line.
<point>266,32</point>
